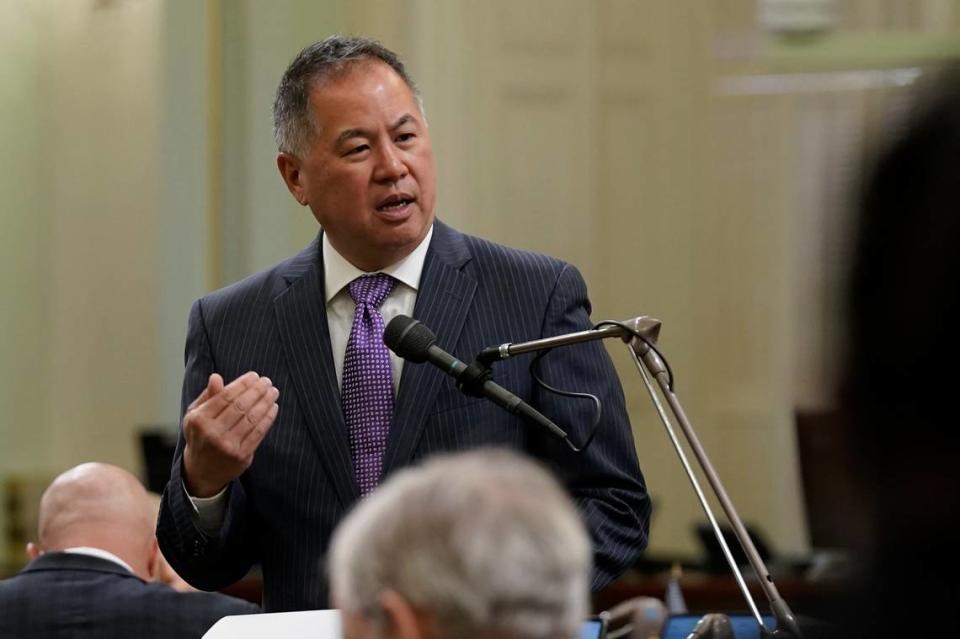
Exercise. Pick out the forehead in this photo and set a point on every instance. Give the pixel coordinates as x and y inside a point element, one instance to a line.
<point>362,91</point>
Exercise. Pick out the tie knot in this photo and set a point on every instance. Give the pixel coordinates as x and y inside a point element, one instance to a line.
<point>371,290</point>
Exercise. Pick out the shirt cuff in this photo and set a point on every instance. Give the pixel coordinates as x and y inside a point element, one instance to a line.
<point>209,512</point>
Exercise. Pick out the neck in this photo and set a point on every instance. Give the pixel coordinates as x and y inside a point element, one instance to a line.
<point>125,549</point>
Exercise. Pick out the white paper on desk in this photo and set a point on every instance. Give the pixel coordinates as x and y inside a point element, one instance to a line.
<point>310,624</point>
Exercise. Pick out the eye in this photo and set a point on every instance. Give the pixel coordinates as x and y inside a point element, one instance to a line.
<point>406,137</point>
<point>357,150</point>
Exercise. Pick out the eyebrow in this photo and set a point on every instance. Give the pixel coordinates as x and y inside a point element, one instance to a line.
<point>365,133</point>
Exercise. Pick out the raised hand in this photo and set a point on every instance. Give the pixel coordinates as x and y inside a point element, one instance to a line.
<point>223,427</point>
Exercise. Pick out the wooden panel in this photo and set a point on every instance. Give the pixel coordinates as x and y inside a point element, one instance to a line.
<point>629,215</point>
<point>625,28</point>
<point>541,28</point>
<point>543,175</point>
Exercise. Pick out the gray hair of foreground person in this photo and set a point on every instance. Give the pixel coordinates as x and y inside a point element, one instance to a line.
<point>485,543</point>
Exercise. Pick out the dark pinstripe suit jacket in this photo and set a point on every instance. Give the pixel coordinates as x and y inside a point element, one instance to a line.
<point>69,596</point>
<point>473,294</point>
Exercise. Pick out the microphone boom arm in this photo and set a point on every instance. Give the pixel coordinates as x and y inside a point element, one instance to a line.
<point>640,334</point>
<point>648,327</point>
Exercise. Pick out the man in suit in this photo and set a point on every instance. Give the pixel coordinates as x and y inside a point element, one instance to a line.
<point>469,545</point>
<point>317,411</point>
<point>94,558</point>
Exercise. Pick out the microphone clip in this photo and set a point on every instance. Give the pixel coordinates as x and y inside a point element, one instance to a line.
<point>493,354</point>
<point>471,380</point>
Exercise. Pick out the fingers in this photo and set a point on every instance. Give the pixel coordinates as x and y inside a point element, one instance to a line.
<point>243,413</point>
<point>240,404</point>
<point>249,408</point>
<point>217,403</point>
<point>260,429</point>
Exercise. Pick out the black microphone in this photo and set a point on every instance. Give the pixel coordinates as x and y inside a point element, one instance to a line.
<point>416,343</point>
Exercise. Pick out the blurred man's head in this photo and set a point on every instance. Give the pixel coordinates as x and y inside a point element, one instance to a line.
<point>901,380</point>
<point>484,544</point>
<point>904,303</point>
<point>99,506</point>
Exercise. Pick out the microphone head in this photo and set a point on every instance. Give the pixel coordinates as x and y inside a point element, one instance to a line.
<point>408,338</point>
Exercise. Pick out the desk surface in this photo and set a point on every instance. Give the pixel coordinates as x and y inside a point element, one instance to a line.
<point>720,592</point>
<point>702,592</point>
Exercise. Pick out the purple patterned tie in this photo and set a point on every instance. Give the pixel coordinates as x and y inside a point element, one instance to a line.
<point>367,388</point>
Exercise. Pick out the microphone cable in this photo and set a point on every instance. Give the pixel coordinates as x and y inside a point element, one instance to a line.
<point>598,406</point>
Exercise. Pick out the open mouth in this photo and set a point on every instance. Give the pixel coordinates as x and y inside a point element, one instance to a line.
<point>395,203</point>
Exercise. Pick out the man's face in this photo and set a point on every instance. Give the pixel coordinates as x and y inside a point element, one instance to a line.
<point>368,176</point>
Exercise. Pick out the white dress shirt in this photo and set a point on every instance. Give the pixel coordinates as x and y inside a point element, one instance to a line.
<point>337,274</point>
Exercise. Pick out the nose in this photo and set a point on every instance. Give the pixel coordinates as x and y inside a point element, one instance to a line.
<point>390,165</point>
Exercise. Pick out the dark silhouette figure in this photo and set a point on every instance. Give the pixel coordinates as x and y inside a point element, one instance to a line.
<point>902,379</point>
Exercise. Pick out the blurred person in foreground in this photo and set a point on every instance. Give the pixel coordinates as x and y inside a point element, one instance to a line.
<point>92,565</point>
<point>483,544</point>
<point>902,379</point>
<point>294,409</point>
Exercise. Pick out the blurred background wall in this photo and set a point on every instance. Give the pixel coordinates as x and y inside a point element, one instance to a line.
<point>695,159</point>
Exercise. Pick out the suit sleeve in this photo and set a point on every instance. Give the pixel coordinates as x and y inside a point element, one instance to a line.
<point>205,562</point>
<point>604,480</point>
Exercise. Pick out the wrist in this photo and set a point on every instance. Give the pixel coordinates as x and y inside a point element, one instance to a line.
<point>203,490</point>
<point>198,486</point>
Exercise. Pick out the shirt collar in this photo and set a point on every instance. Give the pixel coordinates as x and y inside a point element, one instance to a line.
<point>338,272</point>
<point>100,553</point>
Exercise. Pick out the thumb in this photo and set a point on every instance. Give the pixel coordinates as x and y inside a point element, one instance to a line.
<point>214,386</point>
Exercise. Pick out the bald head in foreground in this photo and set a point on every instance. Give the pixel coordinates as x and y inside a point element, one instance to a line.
<point>95,555</point>
<point>480,545</point>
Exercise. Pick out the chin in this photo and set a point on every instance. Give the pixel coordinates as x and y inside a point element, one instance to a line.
<point>412,229</point>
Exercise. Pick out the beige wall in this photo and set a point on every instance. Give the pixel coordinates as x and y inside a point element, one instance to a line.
<point>79,185</point>
<point>24,270</point>
<point>80,218</point>
<point>639,139</point>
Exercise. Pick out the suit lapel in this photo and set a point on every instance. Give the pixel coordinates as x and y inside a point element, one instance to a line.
<point>302,317</point>
<point>444,297</point>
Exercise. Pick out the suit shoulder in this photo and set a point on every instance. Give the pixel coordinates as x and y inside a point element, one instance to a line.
<point>187,613</point>
<point>213,604</point>
<point>264,285</point>
<point>492,255</point>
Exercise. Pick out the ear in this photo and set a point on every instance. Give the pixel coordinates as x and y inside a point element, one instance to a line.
<point>289,166</point>
<point>33,551</point>
<point>405,622</point>
<point>153,560</point>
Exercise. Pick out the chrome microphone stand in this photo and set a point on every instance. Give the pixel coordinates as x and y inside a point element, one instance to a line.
<point>640,334</point>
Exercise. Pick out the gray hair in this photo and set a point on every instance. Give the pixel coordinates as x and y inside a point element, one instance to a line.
<point>487,542</point>
<point>293,126</point>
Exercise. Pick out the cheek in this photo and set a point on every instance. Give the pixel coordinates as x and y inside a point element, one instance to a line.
<point>339,200</point>
<point>351,190</point>
<point>426,175</point>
